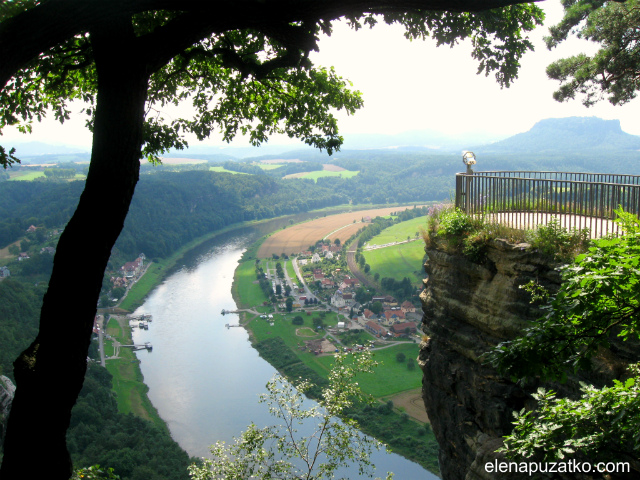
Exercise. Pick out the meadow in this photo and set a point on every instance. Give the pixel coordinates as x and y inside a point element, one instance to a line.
<point>398,261</point>
<point>400,232</point>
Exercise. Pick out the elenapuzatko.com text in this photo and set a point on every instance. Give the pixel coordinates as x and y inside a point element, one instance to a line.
<point>571,466</point>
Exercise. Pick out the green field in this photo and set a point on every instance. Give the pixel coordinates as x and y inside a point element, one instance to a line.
<point>28,176</point>
<point>398,261</point>
<point>390,376</point>
<point>247,293</point>
<point>290,271</point>
<point>268,166</point>
<point>325,173</point>
<point>222,169</point>
<point>400,232</point>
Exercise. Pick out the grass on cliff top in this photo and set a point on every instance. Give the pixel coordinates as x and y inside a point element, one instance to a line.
<point>456,232</point>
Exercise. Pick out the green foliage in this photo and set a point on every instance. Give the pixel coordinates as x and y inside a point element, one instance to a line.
<point>134,448</point>
<point>599,297</point>
<point>94,473</point>
<point>556,241</point>
<point>456,223</point>
<point>297,320</point>
<point>400,357</point>
<point>598,300</point>
<point>19,318</point>
<point>279,451</point>
<point>601,424</point>
<point>613,69</point>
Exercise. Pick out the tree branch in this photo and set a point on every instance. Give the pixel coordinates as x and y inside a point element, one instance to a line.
<point>27,35</point>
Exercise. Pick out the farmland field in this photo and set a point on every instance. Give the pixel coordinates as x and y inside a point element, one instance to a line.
<point>224,170</point>
<point>323,173</point>
<point>398,261</point>
<point>28,176</point>
<point>298,238</point>
<point>399,232</point>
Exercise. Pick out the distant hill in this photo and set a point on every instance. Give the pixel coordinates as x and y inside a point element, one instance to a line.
<point>567,135</point>
<point>589,137</point>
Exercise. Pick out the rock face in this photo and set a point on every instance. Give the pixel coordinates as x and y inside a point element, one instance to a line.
<point>7,391</point>
<point>468,309</point>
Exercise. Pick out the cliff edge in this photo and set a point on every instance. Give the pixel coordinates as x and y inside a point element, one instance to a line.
<point>469,308</point>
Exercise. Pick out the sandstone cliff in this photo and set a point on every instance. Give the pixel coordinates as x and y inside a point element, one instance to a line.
<point>468,308</point>
<point>7,392</point>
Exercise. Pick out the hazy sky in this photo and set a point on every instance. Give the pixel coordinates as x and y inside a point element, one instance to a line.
<point>415,86</point>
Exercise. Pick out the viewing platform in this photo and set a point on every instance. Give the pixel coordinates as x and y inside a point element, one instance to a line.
<point>526,199</point>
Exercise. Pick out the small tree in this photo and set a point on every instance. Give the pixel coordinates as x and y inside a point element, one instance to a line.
<point>411,364</point>
<point>279,451</point>
<point>376,307</point>
<point>400,357</point>
<point>297,320</point>
<point>289,304</point>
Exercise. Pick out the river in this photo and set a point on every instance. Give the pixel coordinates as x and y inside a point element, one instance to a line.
<point>203,378</point>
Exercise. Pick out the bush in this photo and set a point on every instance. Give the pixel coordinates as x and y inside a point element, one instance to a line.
<point>556,241</point>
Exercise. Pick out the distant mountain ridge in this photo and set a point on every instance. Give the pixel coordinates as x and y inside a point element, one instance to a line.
<point>567,135</point>
<point>552,136</point>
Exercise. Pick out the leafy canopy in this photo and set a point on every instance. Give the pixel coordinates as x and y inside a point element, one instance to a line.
<point>254,81</point>
<point>614,70</point>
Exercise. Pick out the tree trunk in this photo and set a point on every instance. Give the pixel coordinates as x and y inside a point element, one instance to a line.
<point>50,373</point>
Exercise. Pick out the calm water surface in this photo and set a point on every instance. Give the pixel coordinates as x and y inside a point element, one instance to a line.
<point>203,378</point>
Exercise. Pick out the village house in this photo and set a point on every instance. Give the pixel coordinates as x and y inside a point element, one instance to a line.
<point>401,328</point>
<point>327,283</point>
<point>368,314</point>
<point>133,269</point>
<point>23,256</point>
<point>390,301</point>
<point>374,328</point>
<point>328,255</point>
<point>4,272</point>
<point>349,283</point>
<point>408,307</point>
<point>338,299</point>
<point>31,229</point>
<point>392,317</point>
<point>316,258</point>
<point>49,250</point>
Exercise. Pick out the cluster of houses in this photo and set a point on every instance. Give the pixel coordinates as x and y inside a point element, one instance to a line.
<point>129,271</point>
<point>322,251</point>
<point>393,321</point>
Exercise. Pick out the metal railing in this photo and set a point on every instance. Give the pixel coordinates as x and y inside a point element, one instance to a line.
<point>525,200</point>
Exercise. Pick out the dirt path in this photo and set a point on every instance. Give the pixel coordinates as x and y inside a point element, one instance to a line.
<point>412,403</point>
